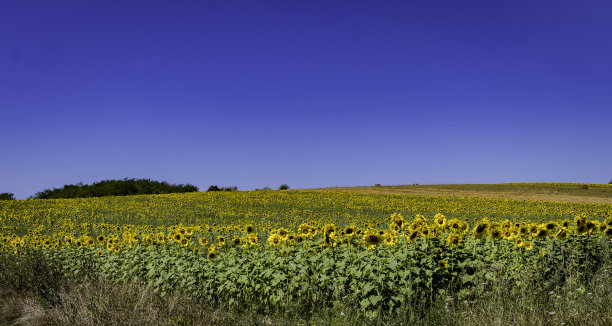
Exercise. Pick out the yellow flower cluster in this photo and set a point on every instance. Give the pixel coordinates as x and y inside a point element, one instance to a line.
<point>239,219</point>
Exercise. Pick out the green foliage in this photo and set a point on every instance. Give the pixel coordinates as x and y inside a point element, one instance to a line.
<point>125,187</point>
<point>283,187</point>
<point>217,188</point>
<point>386,280</point>
<point>7,196</point>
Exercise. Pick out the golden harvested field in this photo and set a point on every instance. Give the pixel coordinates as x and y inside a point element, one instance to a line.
<point>560,192</point>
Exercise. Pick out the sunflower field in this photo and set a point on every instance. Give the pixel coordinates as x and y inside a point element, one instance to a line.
<point>281,250</point>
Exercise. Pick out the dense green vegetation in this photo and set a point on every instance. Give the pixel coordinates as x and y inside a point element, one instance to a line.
<point>125,187</point>
<point>217,188</point>
<point>7,196</point>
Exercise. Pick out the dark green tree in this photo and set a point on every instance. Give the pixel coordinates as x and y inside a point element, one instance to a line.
<point>283,187</point>
<point>7,196</point>
<point>125,187</point>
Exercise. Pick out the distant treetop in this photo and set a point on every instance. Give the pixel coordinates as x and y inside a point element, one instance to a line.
<point>7,196</point>
<point>125,187</point>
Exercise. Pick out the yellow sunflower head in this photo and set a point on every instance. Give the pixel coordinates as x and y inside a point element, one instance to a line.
<point>372,238</point>
<point>454,239</point>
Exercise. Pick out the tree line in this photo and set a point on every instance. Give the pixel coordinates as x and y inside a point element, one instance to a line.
<point>125,187</point>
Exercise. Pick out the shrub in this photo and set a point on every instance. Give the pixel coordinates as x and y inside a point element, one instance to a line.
<point>283,187</point>
<point>7,196</point>
<point>123,187</point>
<point>216,188</point>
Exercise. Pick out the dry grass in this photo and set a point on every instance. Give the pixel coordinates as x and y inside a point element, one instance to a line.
<point>602,195</point>
<point>98,302</point>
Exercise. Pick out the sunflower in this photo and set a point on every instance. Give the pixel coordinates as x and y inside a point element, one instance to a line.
<point>100,253</point>
<point>221,240</point>
<point>454,224</point>
<point>390,239</point>
<point>283,233</point>
<point>177,237</point>
<point>562,234</point>
<point>203,241</point>
<point>454,239</point>
<point>304,229</point>
<point>184,242</point>
<point>550,226</point>
<point>442,264</point>
<point>253,239</point>
<point>533,228</point>
<point>528,245</point>
<point>424,231</point>
<point>211,255</point>
<point>495,233</point>
<point>591,225</point>
<point>440,220</point>
<point>608,232</point>
<point>412,236</point>
<point>480,229</point>
<point>349,230</point>
<point>101,238</point>
<point>329,228</point>
<point>581,229</point>
<point>372,238</point>
<point>541,234</point>
<point>518,242</point>
<point>508,234</point>
<point>395,228</point>
<point>329,240</point>
<point>580,220</point>
<point>275,240</point>
<point>505,224</point>
<point>249,228</point>
<point>312,231</point>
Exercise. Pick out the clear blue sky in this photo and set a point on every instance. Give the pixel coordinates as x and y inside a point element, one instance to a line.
<point>307,93</point>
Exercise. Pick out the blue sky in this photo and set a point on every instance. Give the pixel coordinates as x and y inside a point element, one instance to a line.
<point>307,93</point>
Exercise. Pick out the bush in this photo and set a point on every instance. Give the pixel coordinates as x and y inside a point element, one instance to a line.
<point>216,188</point>
<point>7,196</point>
<point>125,187</point>
<point>283,187</point>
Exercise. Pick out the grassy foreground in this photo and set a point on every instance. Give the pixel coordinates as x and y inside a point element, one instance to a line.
<point>34,292</point>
